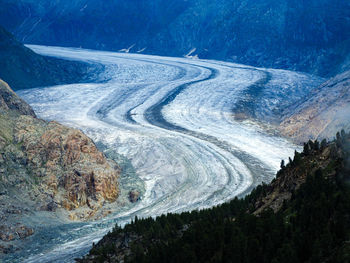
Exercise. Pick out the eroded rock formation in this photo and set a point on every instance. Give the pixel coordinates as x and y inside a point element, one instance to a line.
<point>47,166</point>
<point>66,163</point>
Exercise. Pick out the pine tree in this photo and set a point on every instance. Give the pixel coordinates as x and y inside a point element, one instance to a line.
<point>323,144</point>
<point>316,145</point>
<point>297,158</point>
<point>306,150</point>
<point>282,165</point>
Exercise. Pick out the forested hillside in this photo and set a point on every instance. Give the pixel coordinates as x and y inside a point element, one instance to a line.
<point>302,216</point>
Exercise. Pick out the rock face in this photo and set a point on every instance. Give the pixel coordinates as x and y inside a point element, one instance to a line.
<point>47,166</point>
<point>66,163</point>
<point>134,196</point>
<point>294,174</point>
<point>323,113</point>
<point>10,101</point>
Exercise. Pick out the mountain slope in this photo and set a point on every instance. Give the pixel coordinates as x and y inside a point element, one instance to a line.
<point>22,68</point>
<point>311,36</point>
<point>45,166</point>
<point>302,216</point>
<point>322,113</point>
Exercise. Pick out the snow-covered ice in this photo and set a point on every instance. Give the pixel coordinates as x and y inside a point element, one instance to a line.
<point>172,117</point>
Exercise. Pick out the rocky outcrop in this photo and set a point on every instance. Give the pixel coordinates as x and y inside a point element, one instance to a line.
<point>134,196</point>
<point>45,166</point>
<point>66,163</point>
<point>9,233</point>
<point>10,101</point>
<point>326,157</point>
<point>322,114</point>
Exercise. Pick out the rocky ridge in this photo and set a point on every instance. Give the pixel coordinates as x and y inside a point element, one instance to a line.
<point>328,157</point>
<point>10,101</point>
<point>45,166</point>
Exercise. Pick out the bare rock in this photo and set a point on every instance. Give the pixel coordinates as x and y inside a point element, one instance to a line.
<point>291,177</point>
<point>50,165</point>
<point>6,249</point>
<point>10,101</point>
<point>49,206</point>
<point>323,113</point>
<point>69,165</point>
<point>10,233</point>
<point>23,231</point>
<point>134,196</point>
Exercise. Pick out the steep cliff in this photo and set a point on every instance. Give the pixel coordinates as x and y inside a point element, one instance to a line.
<point>45,166</point>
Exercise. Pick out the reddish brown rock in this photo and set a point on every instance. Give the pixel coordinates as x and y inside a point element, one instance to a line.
<point>55,166</point>
<point>10,233</point>
<point>70,165</point>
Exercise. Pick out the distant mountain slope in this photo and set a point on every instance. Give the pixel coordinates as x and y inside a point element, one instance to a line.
<point>300,110</point>
<point>322,113</point>
<point>311,36</point>
<point>22,68</point>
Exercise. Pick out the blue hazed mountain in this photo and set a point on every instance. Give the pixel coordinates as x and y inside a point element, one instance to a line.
<point>312,36</point>
<point>22,68</point>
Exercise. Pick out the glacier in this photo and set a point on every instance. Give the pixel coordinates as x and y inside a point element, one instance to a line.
<point>172,117</point>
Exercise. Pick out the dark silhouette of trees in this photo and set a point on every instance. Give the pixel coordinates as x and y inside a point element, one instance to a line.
<point>313,226</point>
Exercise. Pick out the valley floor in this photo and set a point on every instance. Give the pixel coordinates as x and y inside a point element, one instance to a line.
<point>173,118</point>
